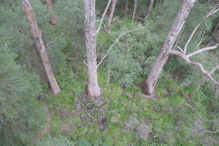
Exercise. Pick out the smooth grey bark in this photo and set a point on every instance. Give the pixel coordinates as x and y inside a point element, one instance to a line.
<point>153,76</point>
<point>53,18</point>
<point>149,10</point>
<point>28,10</point>
<point>108,29</point>
<point>93,88</point>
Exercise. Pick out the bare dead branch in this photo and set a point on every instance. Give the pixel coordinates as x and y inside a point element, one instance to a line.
<point>202,38</point>
<point>110,48</point>
<point>48,44</point>
<point>204,72</point>
<point>104,13</point>
<point>104,25</point>
<point>85,63</point>
<point>211,12</point>
<point>202,50</point>
<point>214,69</point>
<point>179,48</point>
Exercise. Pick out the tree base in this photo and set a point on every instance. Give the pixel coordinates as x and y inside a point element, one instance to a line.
<point>94,91</point>
<point>145,89</point>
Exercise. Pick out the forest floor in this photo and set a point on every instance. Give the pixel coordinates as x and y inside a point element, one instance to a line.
<point>120,116</point>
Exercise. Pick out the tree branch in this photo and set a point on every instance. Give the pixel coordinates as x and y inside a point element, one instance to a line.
<point>214,69</point>
<point>202,50</point>
<point>202,38</point>
<point>211,12</point>
<point>184,57</point>
<point>101,21</point>
<point>110,48</point>
<point>85,62</point>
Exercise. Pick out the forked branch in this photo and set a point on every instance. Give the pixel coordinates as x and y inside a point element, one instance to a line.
<point>211,12</point>
<point>202,50</point>
<point>208,74</point>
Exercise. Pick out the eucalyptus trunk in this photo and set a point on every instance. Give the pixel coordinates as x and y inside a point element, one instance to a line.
<point>53,18</point>
<point>176,28</point>
<point>93,88</point>
<point>108,29</point>
<point>126,7</point>
<point>149,10</point>
<point>134,11</point>
<point>28,10</point>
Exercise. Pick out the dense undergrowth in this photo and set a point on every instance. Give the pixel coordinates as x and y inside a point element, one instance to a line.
<point>123,117</point>
<point>177,114</point>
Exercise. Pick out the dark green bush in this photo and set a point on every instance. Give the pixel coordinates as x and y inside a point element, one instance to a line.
<point>21,116</point>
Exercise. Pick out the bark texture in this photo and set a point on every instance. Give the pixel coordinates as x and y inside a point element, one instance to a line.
<point>108,29</point>
<point>149,10</point>
<point>40,45</point>
<point>153,76</point>
<point>93,88</point>
<point>53,18</point>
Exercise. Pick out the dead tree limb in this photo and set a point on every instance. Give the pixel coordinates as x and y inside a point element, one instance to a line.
<point>211,12</point>
<point>204,72</point>
<point>102,19</point>
<point>116,41</point>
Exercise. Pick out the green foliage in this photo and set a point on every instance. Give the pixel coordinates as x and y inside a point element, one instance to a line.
<point>17,35</point>
<point>170,116</point>
<point>133,55</point>
<point>83,142</point>
<point>71,26</point>
<point>20,113</point>
<point>173,116</point>
<point>60,141</point>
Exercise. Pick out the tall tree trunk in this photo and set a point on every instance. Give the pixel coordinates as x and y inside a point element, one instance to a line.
<point>40,45</point>
<point>126,7</point>
<point>93,88</point>
<point>53,18</point>
<point>121,6</point>
<point>134,11</point>
<point>150,82</point>
<point>108,29</point>
<point>149,10</point>
<point>157,3</point>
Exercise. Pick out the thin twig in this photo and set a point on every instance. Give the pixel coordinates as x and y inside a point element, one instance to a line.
<point>202,50</point>
<point>110,48</point>
<point>202,38</point>
<point>85,63</point>
<point>90,115</point>
<point>211,12</point>
<point>214,69</point>
<point>49,43</point>
<point>101,21</point>
<point>179,48</point>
